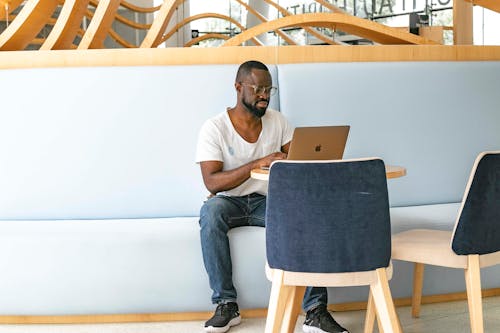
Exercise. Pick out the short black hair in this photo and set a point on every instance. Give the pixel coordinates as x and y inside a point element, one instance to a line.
<point>246,68</point>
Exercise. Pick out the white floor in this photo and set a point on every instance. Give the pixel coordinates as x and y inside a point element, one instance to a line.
<point>435,318</point>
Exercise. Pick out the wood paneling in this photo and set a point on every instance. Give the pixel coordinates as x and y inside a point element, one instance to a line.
<point>237,55</point>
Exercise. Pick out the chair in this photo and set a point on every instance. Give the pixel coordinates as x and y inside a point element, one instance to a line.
<point>474,243</point>
<point>327,224</point>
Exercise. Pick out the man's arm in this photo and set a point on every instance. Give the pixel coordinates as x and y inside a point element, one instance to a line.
<point>285,148</point>
<point>217,180</point>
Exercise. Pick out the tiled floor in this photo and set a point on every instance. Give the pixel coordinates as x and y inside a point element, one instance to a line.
<point>435,318</point>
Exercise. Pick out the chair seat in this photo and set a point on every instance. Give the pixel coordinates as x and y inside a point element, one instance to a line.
<point>432,247</point>
<point>426,246</point>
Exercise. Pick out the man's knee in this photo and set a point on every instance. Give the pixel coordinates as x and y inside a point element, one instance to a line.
<point>213,212</point>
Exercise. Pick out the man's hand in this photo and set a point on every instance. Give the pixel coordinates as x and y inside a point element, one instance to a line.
<point>267,160</point>
<point>217,180</point>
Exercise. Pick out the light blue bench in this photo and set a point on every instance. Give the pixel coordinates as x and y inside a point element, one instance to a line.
<point>99,192</point>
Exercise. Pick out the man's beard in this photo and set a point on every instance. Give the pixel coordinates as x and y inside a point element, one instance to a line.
<point>253,109</point>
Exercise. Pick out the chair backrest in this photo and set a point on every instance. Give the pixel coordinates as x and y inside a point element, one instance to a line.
<point>328,216</point>
<point>477,230</point>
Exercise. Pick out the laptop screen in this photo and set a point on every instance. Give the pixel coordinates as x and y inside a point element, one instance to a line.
<point>318,143</point>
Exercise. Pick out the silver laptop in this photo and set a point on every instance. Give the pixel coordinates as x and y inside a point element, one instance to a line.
<point>318,143</point>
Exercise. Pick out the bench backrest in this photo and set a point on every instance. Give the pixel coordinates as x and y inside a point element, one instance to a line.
<point>434,118</point>
<point>119,142</point>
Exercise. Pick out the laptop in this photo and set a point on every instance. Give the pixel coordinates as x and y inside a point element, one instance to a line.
<point>318,143</point>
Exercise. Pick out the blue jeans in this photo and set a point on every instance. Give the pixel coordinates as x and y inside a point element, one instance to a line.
<point>218,215</point>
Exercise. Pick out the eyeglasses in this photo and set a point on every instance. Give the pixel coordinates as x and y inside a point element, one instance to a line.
<point>260,90</point>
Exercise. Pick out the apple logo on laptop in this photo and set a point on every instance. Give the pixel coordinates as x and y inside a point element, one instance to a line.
<point>317,148</point>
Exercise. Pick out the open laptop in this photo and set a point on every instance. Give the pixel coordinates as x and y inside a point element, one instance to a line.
<point>318,143</point>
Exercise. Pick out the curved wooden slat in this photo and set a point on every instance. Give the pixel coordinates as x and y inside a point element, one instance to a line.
<point>138,9</point>
<point>28,23</point>
<point>132,24</point>
<point>154,35</point>
<point>67,25</point>
<point>493,5</point>
<point>10,5</point>
<point>99,26</point>
<point>196,40</point>
<point>202,16</point>
<point>334,9</point>
<point>130,6</point>
<point>280,33</point>
<point>37,41</point>
<point>313,32</point>
<point>117,38</point>
<point>10,19</point>
<point>89,15</point>
<point>199,17</point>
<point>347,23</point>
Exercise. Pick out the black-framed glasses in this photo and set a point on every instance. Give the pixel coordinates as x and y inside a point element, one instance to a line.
<point>260,90</point>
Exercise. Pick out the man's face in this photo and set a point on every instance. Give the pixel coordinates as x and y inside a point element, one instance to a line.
<point>256,102</point>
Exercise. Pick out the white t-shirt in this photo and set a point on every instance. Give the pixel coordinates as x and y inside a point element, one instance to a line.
<point>219,141</point>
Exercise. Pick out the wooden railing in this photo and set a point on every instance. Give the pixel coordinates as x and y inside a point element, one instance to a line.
<point>68,31</point>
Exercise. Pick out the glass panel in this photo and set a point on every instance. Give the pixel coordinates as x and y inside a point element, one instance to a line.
<point>486,26</point>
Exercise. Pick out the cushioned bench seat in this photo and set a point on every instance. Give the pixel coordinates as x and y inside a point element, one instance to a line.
<point>440,280</point>
<point>155,265</point>
<point>438,216</point>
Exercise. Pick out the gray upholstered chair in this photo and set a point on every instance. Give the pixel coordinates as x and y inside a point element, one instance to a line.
<point>473,244</point>
<point>327,224</point>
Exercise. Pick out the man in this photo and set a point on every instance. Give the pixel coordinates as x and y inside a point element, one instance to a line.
<point>230,145</point>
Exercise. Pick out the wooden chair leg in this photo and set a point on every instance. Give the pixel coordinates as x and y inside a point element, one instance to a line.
<point>384,303</point>
<point>474,298</point>
<point>293,308</point>
<point>370,314</point>
<point>280,293</point>
<point>380,327</point>
<point>418,283</point>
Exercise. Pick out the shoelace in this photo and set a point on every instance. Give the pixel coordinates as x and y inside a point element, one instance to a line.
<point>222,309</point>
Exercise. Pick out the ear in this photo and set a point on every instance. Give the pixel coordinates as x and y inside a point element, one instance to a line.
<point>237,86</point>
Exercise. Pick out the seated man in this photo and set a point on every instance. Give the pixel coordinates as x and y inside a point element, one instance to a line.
<point>230,145</point>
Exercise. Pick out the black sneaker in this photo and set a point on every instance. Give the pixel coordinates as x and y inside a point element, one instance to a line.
<point>225,316</point>
<point>319,320</point>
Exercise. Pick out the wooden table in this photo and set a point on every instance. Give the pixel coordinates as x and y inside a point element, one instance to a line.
<point>391,171</point>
